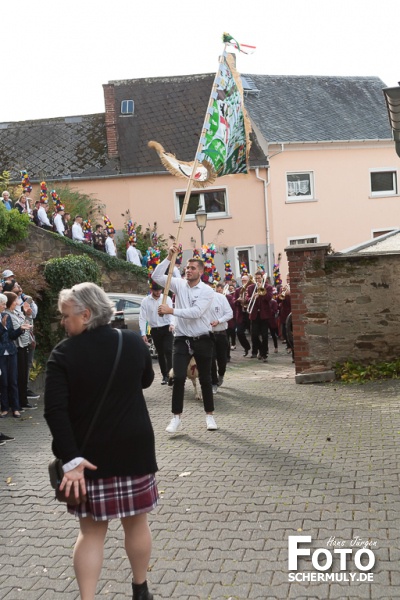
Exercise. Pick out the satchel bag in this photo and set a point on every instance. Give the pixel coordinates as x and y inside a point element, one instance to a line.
<point>56,472</point>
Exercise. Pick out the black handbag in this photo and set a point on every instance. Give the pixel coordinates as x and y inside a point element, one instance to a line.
<point>56,472</point>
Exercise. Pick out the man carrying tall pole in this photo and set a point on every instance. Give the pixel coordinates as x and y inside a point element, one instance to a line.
<point>223,149</point>
<point>193,333</point>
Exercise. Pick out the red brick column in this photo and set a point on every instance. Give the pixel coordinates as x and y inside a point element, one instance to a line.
<point>309,304</point>
<point>111,120</point>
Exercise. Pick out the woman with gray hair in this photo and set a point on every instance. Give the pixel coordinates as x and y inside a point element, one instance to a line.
<point>116,469</point>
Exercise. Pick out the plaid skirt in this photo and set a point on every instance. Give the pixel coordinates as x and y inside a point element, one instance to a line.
<point>117,497</point>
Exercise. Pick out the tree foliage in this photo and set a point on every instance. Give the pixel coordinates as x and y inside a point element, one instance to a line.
<point>78,203</point>
<point>13,226</point>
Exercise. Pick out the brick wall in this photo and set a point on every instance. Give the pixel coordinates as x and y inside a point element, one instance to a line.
<point>343,306</point>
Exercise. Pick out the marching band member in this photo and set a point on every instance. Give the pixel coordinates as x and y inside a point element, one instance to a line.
<point>241,315</point>
<point>258,297</point>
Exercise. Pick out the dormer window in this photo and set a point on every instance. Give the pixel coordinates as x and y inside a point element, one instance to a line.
<point>127,107</point>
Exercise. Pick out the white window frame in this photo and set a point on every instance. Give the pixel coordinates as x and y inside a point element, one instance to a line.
<point>384,193</point>
<point>201,192</point>
<point>299,238</point>
<point>252,258</point>
<point>125,104</point>
<point>306,198</point>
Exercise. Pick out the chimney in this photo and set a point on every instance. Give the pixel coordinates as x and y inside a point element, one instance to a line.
<point>111,120</point>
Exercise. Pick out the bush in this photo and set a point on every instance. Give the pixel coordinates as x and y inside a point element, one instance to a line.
<point>13,226</point>
<point>65,272</point>
<point>28,274</point>
<point>351,372</point>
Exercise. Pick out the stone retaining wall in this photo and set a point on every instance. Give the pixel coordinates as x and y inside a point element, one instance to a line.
<point>43,245</point>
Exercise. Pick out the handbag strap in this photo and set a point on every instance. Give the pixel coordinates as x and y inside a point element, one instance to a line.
<point>100,404</point>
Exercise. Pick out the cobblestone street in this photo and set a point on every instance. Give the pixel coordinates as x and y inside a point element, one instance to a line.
<point>319,460</point>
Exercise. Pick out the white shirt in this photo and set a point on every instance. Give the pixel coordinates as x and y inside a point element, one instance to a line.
<point>133,256</point>
<point>148,314</point>
<point>58,223</point>
<point>110,247</point>
<point>191,303</point>
<point>77,233</point>
<point>42,216</point>
<point>220,310</point>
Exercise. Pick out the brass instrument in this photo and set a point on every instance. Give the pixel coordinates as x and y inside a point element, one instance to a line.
<point>284,291</point>
<point>243,292</point>
<point>259,290</point>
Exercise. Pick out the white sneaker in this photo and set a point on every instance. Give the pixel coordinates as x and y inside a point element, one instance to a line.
<point>214,389</point>
<point>211,424</point>
<point>174,425</point>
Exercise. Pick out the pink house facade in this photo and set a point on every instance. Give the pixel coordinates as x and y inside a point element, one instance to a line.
<point>323,167</point>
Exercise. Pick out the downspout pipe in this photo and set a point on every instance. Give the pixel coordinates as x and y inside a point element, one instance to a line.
<point>265,185</point>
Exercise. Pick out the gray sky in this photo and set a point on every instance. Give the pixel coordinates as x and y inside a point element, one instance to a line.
<point>56,56</point>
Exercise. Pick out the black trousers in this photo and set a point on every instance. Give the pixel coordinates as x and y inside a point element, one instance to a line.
<point>241,332</point>
<point>259,336</point>
<point>163,338</point>
<point>183,350</point>
<point>23,369</point>
<point>220,356</point>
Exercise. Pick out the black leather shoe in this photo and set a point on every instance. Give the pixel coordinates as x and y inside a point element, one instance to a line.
<point>140,592</point>
<point>245,353</point>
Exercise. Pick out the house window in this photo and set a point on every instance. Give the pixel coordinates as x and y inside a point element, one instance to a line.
<point>384,183</point>
<point>300,186</point>
<point>127,107</point>
<point>309,239</point>
<point>212,201</point>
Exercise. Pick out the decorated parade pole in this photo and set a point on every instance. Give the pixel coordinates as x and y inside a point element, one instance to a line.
<point>194,169</point>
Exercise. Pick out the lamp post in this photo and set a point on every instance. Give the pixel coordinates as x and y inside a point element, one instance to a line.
<point>201,222</point>
<point>392,97</point>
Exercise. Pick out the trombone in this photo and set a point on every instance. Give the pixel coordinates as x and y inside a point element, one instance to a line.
<point>259,290</point>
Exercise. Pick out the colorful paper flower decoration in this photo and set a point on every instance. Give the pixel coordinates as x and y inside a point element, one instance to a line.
<point>153,259</point>
<point>179,256</point>
<point>26,186</point>
<point>130,227</point>
<point>243,269</point>
<point>108,225</point>
<point>228,271</point>
<point>43,193</point>
<point>277,275</point>
<point>207,254</point>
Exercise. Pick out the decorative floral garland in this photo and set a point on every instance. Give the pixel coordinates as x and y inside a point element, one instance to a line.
<point>130,227</point>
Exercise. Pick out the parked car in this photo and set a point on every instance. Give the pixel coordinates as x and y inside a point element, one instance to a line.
<point>127,308</point>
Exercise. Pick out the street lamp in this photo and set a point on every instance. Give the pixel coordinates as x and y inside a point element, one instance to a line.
<point>201,222</point>
<point>392,97</point>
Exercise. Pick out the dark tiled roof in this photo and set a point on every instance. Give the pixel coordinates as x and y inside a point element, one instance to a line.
<point>289,108</point>
<point>56,148</point>
<point>169,110</point>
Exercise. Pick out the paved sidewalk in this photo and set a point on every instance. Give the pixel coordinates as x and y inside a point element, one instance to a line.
<point>288,460</point>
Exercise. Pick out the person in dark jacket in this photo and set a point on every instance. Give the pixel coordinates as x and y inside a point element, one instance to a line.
<point>8,356</point>
<point>116,468</point>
